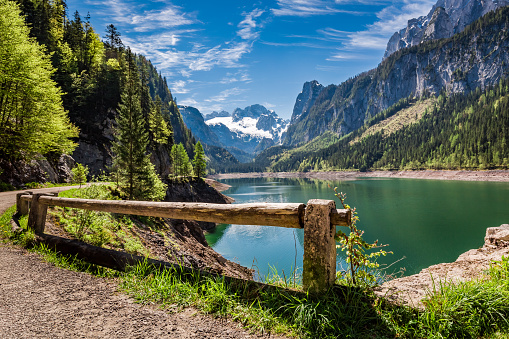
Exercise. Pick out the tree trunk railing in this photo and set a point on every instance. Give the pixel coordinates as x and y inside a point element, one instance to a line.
<point>318,218</point>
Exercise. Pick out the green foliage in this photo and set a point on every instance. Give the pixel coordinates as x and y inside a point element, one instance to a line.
<point>158,126</point>
<point>98,228</point>
<point>361,263</point>
<point>32,117</point>
<point>460,131</point>
<point>4,187</point>
<point>180,161</point>
<point>79,174</point>
<point>137,179</point>
<point>199,162</point>
<point>477,308</point>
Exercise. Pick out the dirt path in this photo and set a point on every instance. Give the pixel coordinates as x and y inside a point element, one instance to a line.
<point>38,300</point>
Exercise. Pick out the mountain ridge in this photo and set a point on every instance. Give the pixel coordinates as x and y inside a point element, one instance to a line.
<point>478,56</point>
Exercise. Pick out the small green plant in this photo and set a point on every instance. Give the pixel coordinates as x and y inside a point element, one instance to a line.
<point>79,174</point>
<point>361,263</point>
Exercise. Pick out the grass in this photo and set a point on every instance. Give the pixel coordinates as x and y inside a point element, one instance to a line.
<point>474,309</point>
<point>98,228</point>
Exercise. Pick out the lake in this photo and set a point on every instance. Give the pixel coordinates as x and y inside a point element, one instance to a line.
<point>426,222</point>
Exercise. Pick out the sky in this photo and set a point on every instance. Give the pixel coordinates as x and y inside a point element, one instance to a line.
<point>220,55</point>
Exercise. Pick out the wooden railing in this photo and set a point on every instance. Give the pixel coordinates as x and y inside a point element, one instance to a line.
<point>317,217</point>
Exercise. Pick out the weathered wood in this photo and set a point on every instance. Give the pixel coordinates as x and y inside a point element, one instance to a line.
<point>22,205</point>
<point>37,213</point>
<point>283,215</point>
<point>341,217</point>
<point>319,266</point>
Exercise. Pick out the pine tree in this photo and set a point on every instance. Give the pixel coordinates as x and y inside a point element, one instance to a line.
<point>181,165</point>
<point>199,162</point>
<point>137,177</point>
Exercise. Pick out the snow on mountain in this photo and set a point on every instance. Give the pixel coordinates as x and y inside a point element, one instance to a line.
<point>244,133</point>
<point>244,126</point>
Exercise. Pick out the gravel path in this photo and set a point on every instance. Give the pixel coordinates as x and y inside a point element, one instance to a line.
<point>38,300</point>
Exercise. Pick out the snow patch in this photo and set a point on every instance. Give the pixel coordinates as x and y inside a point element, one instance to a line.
<point>245,126</point>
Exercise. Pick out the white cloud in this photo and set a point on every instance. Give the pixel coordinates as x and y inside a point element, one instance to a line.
<point>223,95</point>
<point>376,35</point>
<point>180,86</point>
<point>247,27</point>
<point>230,78</point>
<point>304,8</point>
<point>390,19</point>
<point>170,16</point>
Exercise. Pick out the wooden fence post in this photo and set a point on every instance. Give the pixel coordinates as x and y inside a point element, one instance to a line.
<point>319,271</point>
<point>37,214</point>
<point>22,205</point>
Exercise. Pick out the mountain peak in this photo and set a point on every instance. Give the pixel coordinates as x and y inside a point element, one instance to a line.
<point>446,18</point>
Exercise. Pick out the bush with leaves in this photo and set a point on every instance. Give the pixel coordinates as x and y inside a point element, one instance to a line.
<point>362,264</point>
<point>79,174</point>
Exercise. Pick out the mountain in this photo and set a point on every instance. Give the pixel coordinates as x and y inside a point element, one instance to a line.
<point>476,57</point>
<point>244,133</point>
<point>306,99</point>
<point>446,18</point>
<point>195,122</point>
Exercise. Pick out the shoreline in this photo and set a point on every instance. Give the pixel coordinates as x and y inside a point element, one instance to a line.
<point>462,175</point>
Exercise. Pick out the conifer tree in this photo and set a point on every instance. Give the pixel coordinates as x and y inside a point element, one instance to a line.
<point>199,162</point>
<point>137,177</point>
<point>181,165</point>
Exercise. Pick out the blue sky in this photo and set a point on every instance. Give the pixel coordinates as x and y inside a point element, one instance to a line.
<point>219,55</point>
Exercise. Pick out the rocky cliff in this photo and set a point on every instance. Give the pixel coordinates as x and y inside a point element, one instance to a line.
<point>478,56</point>
<point>446,18</point>
<point>196,123</point>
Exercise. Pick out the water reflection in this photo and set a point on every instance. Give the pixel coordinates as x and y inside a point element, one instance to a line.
<point>427,221</point>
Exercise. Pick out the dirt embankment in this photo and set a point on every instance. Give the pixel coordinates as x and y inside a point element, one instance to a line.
<point>489,175</point>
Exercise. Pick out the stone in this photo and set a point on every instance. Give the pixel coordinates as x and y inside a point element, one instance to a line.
<point>496,234</point>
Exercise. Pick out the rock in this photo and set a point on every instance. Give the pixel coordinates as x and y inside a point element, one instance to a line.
<point>469,265</point>
<point>453,16</point>
<point>494,235</point>
<point>306,99</point>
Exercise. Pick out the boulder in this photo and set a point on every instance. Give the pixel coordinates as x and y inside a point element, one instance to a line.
<point>494,235</point>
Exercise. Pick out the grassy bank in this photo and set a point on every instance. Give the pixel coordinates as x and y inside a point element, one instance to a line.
<point>476,309</point>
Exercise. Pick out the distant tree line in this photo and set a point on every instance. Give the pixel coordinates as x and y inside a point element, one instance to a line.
<point>460,131</point>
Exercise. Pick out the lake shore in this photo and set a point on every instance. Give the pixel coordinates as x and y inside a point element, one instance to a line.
<point>488,175</point>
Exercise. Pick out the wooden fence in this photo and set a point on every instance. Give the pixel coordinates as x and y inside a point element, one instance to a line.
<point>317,217</point>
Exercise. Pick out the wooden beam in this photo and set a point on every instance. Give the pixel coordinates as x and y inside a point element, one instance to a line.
<point>319,265</point>
<point>265,214</point>
<point>341,217</point>
<point>37,214</point>
<point>22,205</point>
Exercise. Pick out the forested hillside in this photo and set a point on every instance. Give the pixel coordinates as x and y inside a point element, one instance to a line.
<point>89,70</point>
<point>459,131</point>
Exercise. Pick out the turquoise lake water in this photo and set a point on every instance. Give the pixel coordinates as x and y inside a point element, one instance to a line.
<point>424,221</point>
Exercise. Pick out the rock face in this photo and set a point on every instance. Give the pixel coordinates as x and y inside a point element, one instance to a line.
<point>477,57</point>
<point>306,99</point>
<point>195,122</point>
<point>446,18</point>
<point>56,170</point>
<point>469,265</point>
